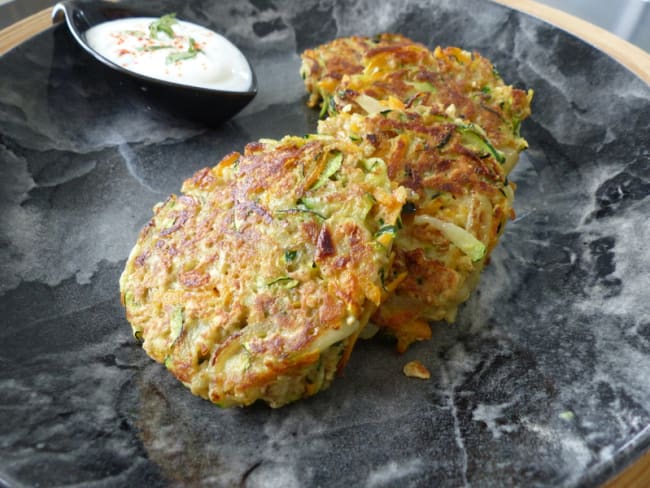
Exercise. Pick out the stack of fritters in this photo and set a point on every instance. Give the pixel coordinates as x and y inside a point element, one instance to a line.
<point>448,128</point>
<point>255,283</point>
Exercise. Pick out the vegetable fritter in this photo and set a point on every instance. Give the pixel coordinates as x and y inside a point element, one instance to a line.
<point>256,281</point>
<point>344,72</point>
<point>448,127</point>
<point>459,203</point>
<point>323,68</point>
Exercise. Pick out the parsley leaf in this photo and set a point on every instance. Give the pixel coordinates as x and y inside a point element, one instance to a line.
<point>179,56</point>
<point>191,52</point>
<point>193,47</point>
<point>163,24</point>
<point>154,48</point>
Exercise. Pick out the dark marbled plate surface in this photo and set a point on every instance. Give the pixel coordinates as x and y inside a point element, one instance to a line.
<point>544,380</point>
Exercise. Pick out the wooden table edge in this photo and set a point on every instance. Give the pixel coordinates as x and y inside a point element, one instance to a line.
<point>635,475</point>
<point>633,58</point>
<point>22,30</point>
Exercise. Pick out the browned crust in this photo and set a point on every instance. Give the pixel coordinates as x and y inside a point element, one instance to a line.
<point>425,151</point>
<point>211,291</point>
<point>387,69</point>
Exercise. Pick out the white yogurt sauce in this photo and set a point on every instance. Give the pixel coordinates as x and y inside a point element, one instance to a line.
<point>194,56</point>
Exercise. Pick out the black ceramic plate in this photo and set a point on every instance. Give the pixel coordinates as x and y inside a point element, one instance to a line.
<point>544,380</point>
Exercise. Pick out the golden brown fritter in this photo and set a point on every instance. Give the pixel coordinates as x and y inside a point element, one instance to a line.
<point>458,206</point>
<point>392,66</point>
<point>255,282</point>
<point>324,67</point>
<point>448,127</point>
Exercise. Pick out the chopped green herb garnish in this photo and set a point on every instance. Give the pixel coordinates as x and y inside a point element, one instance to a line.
<point>163,24</point>
<point>179,56</point>
<point>290,255</point>
<point>154,48</point>
<point>191,52</point>
<point>193,48</point>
